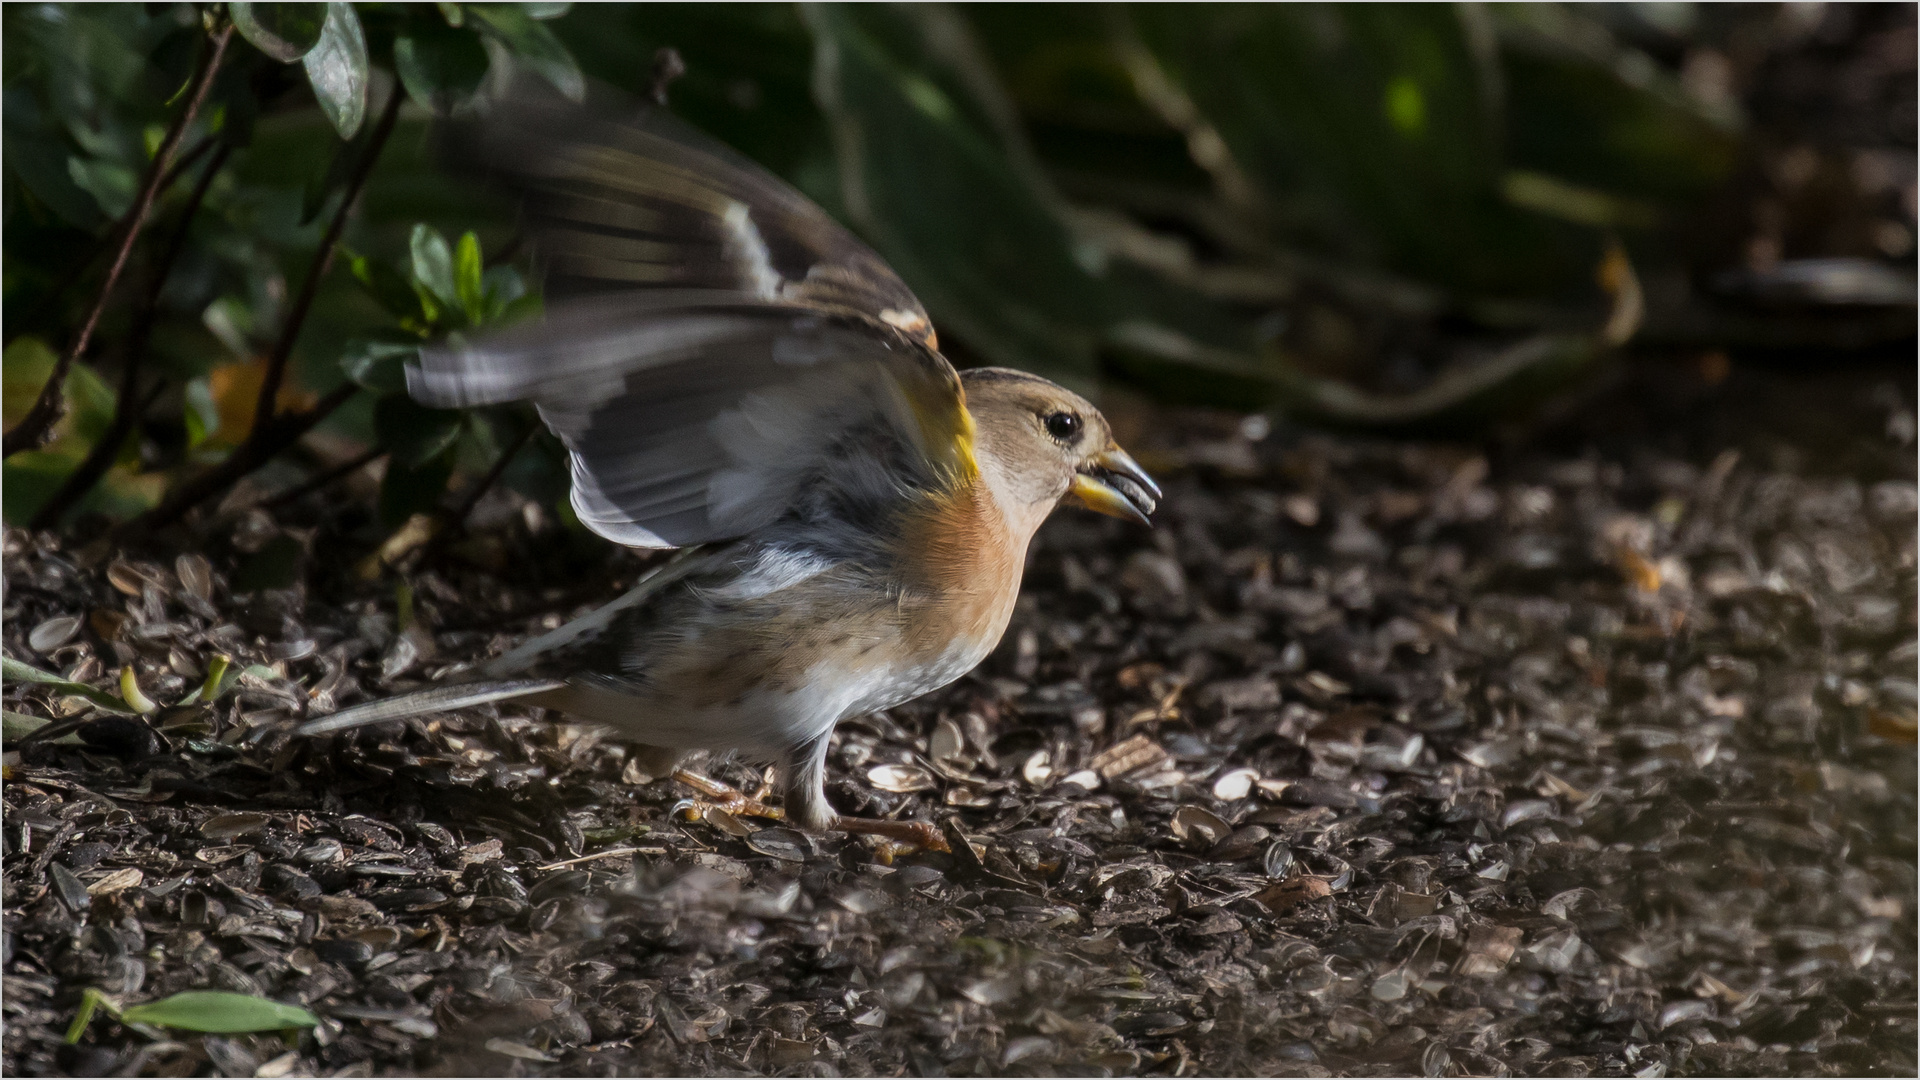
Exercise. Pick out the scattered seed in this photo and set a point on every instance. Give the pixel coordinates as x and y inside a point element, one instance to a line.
<point>901,778</point>
<point>229,826</point>
<point>1290,894</point>
<point>1200,825</point>
<point>1488,949</point>
<point>788,845</point>
<point>1235,784</point>
<point>68,888</point>
<point>118,881</point>
<point>53,633</point>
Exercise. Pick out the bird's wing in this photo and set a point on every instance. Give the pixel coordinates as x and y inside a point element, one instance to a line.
<point>720,354</point>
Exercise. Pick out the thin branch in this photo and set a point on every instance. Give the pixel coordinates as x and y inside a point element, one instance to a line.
<point>346,468</point>
<point>276,374</point>
<point>34,429</point>
<point>106,239</point>
<point>458,516</point>
<point>454,520</point>
<point>266,441</point>
<point>273,432</point>
<point>126,412</point>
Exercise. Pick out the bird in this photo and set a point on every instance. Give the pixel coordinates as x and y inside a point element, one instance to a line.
<point>735,375</point>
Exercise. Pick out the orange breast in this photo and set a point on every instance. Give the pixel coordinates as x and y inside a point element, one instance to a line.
<point>961,567</point>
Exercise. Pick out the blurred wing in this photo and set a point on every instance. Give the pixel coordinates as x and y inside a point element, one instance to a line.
<point>718,353</point>
<point>694,418</point>
<point>641,200</point>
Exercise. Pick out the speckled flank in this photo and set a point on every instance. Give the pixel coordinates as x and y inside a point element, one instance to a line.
<point>789,662</point>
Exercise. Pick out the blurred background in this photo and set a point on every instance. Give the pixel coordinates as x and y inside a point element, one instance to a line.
<point>1443,217</point>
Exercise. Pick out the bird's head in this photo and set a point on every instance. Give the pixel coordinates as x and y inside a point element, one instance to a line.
<point>1039,444</point>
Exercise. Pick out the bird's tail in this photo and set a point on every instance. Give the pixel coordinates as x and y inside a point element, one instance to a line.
<point>433,700</point>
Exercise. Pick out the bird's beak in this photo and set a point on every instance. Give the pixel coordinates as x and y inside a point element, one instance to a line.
<point>1114,484</point>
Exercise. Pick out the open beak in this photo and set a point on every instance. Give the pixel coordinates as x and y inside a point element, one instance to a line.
<point>1115,485</point>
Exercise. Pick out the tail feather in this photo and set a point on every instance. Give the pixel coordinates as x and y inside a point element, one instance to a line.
<point>433,700</point>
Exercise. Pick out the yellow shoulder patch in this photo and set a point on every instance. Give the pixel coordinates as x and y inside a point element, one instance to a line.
<point>939,407</point>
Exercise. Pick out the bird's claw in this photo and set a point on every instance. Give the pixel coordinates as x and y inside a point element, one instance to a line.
<point>907,834</point>
<point>718,796</point>
<point>898,837</point>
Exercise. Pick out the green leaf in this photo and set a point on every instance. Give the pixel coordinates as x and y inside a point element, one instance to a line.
<point>1572,202</point>
<point>91,402</point>
<point>220,677</point>
<point>221,673</point>
<point>936,194</point>
<point>433,265</point>
<point>385,285</point>
<point>467,278</point>
<point>413,432</point>
<point>546,11</point>
<point>219,1012</point>
<point>379,365</point>
<point>503,286</point>
<point>337,67</point>
<point>16,726</point>
<point>1406,106</point>
<point>28,480</point>
<point>40,161</point>
<point>202,412</point>
<point>441,67</point>
<point>343,155</point>
<point>1370,136</point>
<point>1572,116</point>
<point>285,32</point>
<point>25,367</point>
<point>111,184</point>
<point>533,45</point>
<point>14,671</point>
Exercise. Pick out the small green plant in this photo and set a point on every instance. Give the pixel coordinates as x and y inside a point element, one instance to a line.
<point>213,1012</point>
<point>231,355</point>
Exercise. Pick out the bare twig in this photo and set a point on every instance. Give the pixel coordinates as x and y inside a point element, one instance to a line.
<point>33,429</point>
<point>346,468</point>
<point>130,406</point>
<point>471,499</point>
<point>598,855</point>
<point>273,432</point>
<point>323,260</point>
<point>454,520</point>
<point>107,239</point>
<point>266,441</point>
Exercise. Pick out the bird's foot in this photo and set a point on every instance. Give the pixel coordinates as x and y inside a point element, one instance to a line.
<point>719,796</point>
<point>908,834</point>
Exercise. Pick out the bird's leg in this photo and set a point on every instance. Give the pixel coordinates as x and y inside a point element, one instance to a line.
<point>919,834</point>
<point>805,795</point>
<point>726,797</point>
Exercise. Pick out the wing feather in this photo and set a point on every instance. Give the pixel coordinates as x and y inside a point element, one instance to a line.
<point>618,196</point>
<point>717,352</point>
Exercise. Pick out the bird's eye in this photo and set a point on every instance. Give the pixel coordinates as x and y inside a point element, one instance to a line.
<point>1063,425</point>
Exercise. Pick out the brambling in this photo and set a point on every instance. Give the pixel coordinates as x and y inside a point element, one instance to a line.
<point>734,373</point>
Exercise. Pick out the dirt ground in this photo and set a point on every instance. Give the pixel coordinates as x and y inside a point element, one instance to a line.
<point>1586,751</point>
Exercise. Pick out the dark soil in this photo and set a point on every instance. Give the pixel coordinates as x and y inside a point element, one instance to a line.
<point>1581,754</point>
